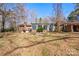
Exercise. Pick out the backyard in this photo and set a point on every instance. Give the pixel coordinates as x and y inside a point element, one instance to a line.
<point>39,44</point>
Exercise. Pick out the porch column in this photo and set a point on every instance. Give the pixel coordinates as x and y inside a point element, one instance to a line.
<point>53,27</point>
<point>72,28</point>
<point>48,27</point>
<point>36,26</point>
<point>64,27</point>
<point>42,25</point>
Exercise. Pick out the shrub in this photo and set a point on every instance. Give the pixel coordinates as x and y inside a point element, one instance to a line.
<point>40,29</point>
<point>9,29</point>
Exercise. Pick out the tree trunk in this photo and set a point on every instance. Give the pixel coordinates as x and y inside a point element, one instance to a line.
<point>58,27</point>
<point>3,23</point>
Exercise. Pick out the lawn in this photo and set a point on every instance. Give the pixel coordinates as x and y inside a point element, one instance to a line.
<point>39,44</point>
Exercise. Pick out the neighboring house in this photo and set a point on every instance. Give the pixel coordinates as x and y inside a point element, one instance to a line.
<point>72,26</point>
<point>24,28</point>
<point>46,26</point>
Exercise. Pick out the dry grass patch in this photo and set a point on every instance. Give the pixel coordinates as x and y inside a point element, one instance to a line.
<point>52,44</point>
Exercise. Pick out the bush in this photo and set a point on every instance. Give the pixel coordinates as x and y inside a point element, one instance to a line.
<point>9,29</point>
<point>40,29</point>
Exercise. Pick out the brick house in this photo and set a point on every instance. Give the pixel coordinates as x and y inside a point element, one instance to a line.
<point>72,26</point>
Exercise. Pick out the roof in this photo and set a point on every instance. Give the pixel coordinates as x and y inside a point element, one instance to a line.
<point>42,23</point>
<point>72,23</point>
<point>27,25</point>
<point>21,25</point>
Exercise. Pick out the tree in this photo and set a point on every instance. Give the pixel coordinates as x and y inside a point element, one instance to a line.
<point>12,20</point>
<point>58,16</point>
<point>40,20</point>
<point>21,13</point>
<point>4,14</point>
<point>76,5</point>
<point>46,20</point>
<point>33,16</point>
<point>74,14</point>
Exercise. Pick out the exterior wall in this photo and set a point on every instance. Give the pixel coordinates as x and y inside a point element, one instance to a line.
<point>76,28</point>
<point>48,26</point>
<point>24,28</point>
<point>33,27</point>
<point>68,28</point>
<point>53,28</point>
<point>36,27</point>
<point>72,28</point>
<point>20,29</point>
<point>45,27</point>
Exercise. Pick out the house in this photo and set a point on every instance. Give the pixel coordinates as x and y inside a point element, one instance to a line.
<point>46,26</point>
<point>72,26</point>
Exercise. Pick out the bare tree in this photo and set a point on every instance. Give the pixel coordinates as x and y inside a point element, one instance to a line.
<point>12,19</point>
<point>33,15</point>
<point>58,16</point>
<point>46,20</point>
<point>21,13</point>
<point>4,14</point>
<point>40,20</point>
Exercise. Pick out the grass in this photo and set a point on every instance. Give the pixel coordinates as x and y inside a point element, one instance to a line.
<point>56,44</point>
<point>45,52</point>
<point>26,39</point>
<point>1,45</point>
<point>2,41</point>
<point>77,48</point>
<point>1,36</point>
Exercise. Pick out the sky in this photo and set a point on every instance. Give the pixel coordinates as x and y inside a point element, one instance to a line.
<point>46,9</point>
